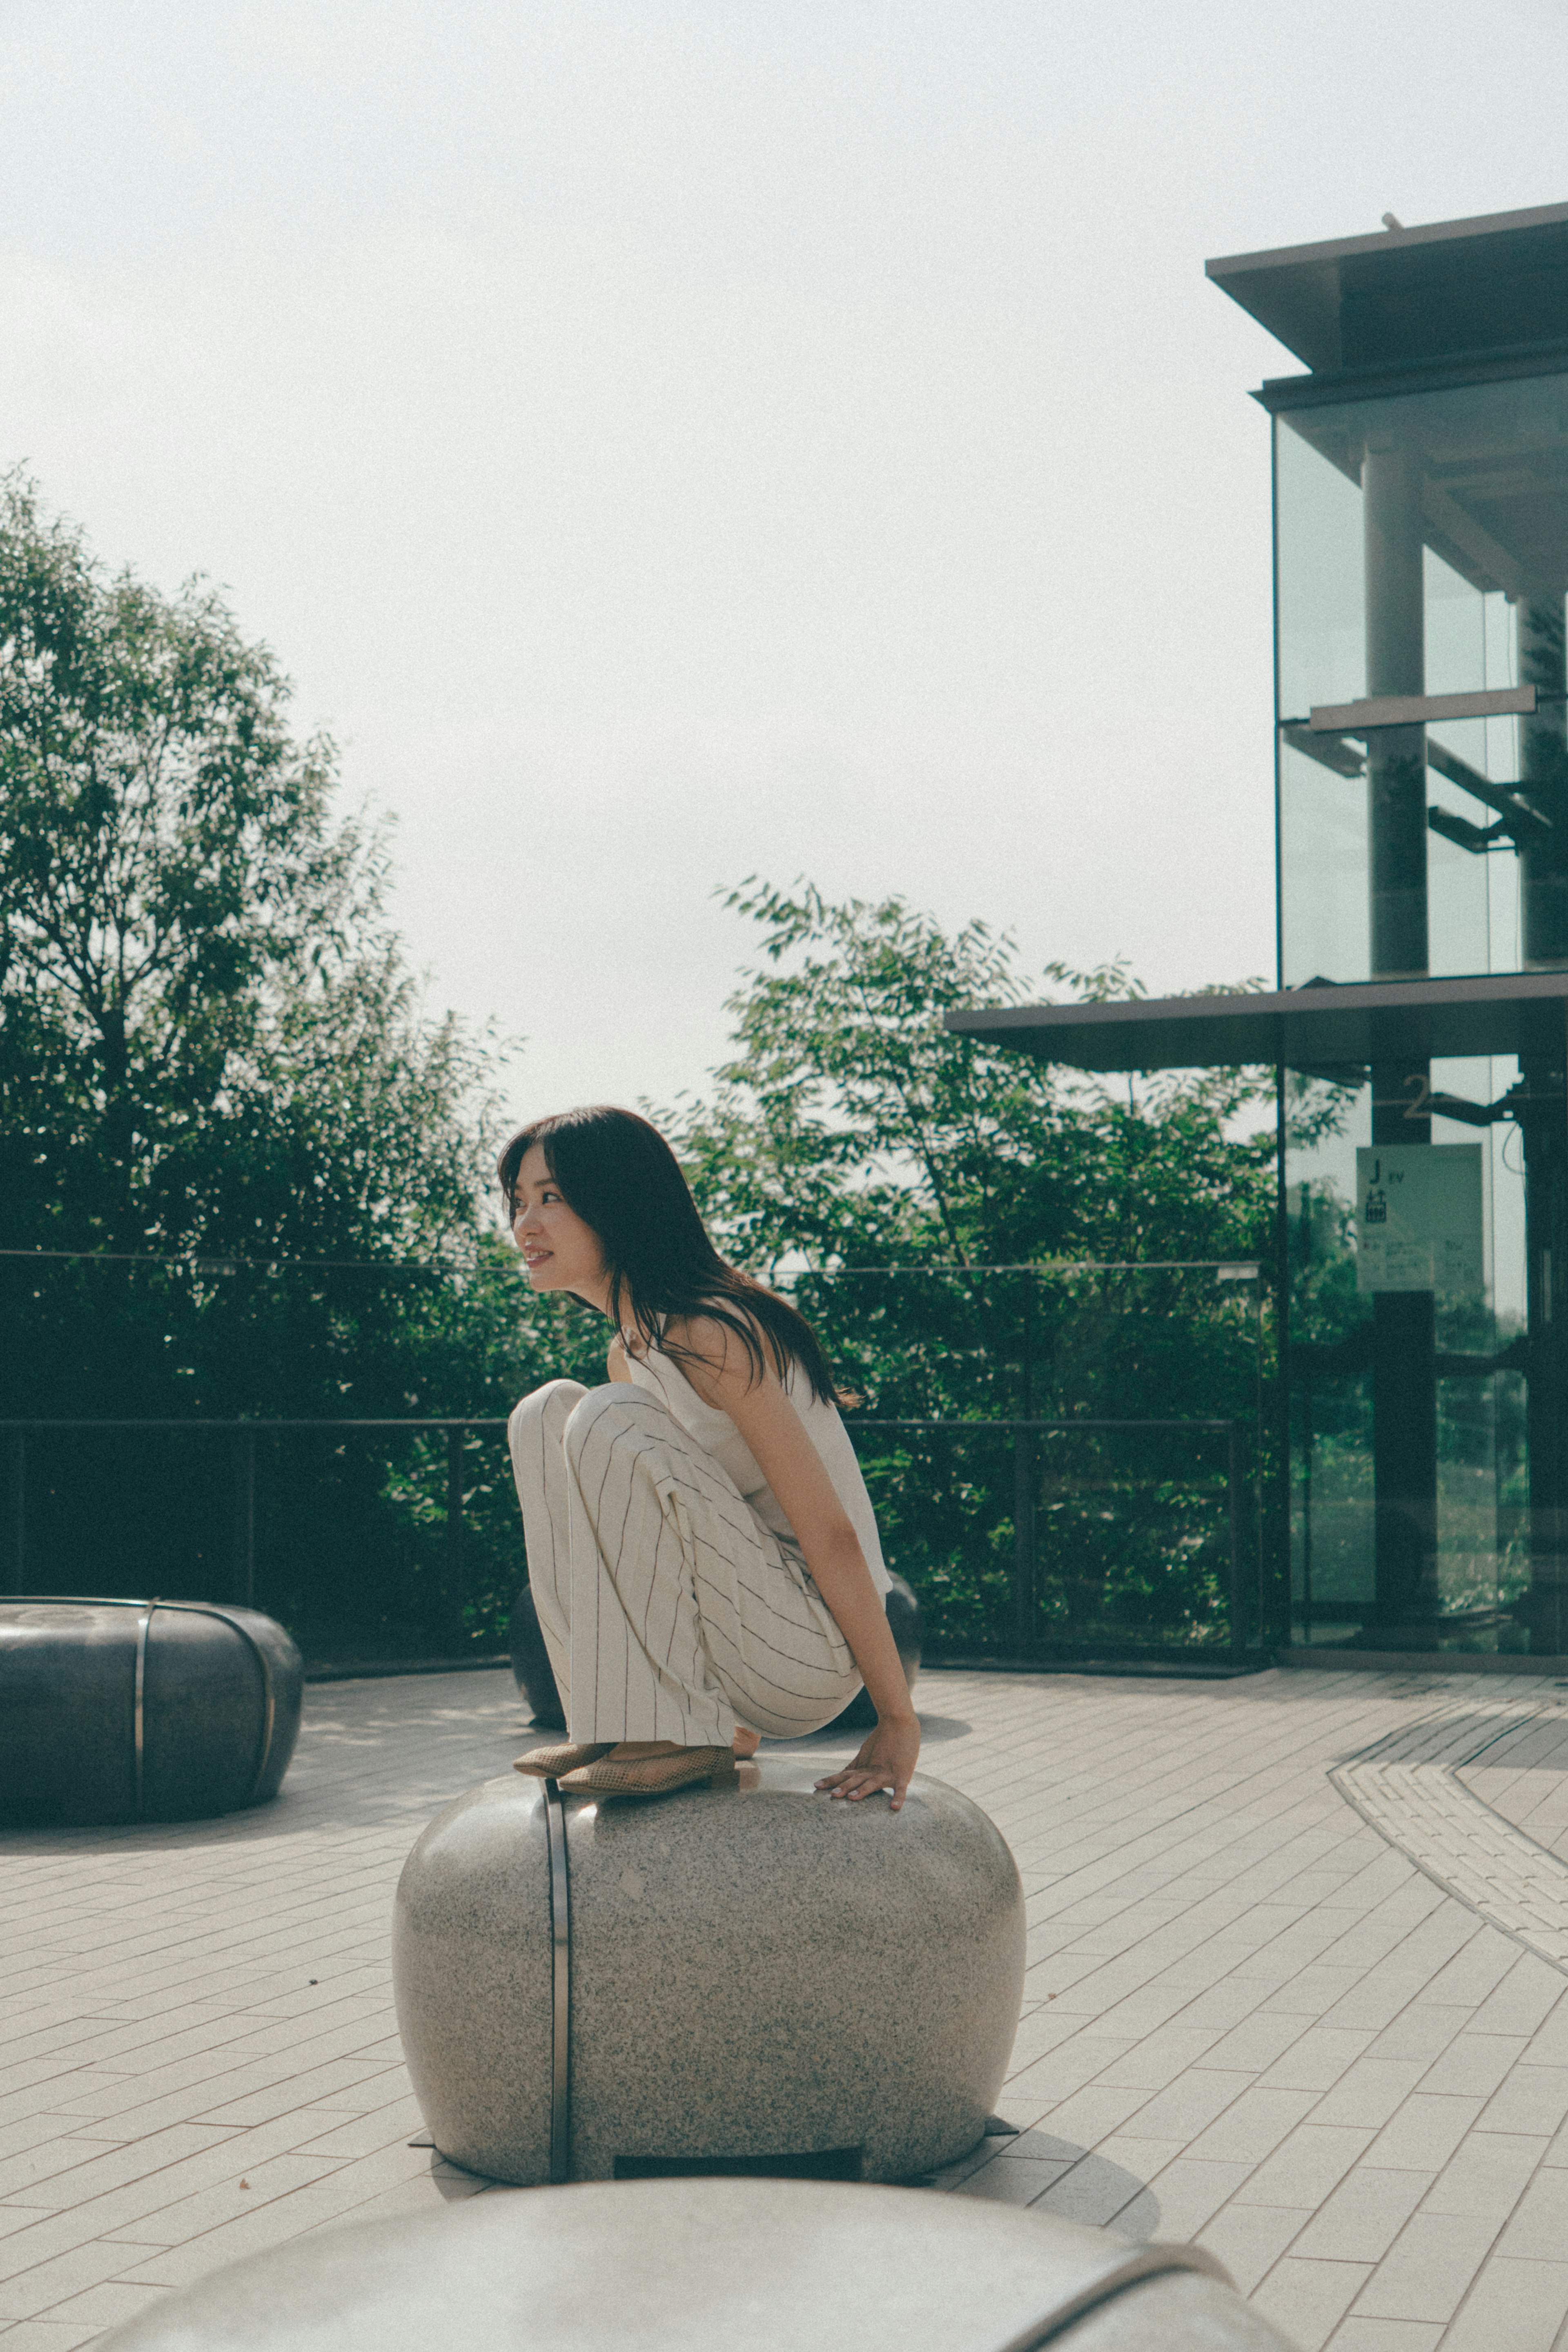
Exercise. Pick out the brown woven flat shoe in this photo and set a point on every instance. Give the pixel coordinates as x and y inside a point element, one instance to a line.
<point>563,1756</point>
<point>650,1776</point>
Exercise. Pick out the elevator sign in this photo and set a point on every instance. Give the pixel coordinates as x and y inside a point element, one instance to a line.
<point>1418,1218</point>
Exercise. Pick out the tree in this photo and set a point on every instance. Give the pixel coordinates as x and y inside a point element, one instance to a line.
<point>198,985</point>
<point>980,1235</point>
<point>266,1171</point>
<point>852,1127</point>
<point>218,1088</point>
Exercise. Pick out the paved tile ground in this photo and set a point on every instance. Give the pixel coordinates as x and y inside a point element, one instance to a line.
<point>1250,2017</point>
<point>1446,1790</point>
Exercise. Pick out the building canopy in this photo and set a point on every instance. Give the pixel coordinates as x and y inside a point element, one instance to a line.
<point>1441,291</point>
<point>1313,1029</point>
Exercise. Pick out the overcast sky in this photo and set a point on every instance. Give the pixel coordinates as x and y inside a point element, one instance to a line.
<point>666,440</point>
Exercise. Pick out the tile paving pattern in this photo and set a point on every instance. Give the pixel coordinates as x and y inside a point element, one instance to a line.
<point>1250,2018</point>
<point>1410,1787</point>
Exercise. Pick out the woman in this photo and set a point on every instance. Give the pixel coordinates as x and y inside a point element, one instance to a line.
<point>702,1550</point>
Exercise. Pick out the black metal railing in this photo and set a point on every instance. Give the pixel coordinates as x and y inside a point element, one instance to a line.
<point>1026,1595</point>
<point>244,1434</point>
<point>1026,1590</point>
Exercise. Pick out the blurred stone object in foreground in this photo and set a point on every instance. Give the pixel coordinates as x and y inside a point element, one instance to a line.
<point>691,2265</point>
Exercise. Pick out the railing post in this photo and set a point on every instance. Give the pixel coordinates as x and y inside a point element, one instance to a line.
<point>245,1518</point>
<point>454,1527</point>
<point>1233,1481</point>
<point>20,1523</point>
<point>1023,1538</point>
<point>1306,1518</point>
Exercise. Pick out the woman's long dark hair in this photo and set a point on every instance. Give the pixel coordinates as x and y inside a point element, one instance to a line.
<point>621,1178</point>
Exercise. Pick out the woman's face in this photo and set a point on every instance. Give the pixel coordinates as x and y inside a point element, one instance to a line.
<point>559,1250</point>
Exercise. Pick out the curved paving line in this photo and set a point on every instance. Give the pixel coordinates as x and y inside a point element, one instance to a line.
<point>1407,1786</point>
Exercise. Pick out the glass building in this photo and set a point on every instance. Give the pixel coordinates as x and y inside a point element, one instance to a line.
<point>1420,1023</point>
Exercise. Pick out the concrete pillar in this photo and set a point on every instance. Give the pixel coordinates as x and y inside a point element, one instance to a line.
<point>1404,1412</point>
<point>1395,756</point>
<point>1404,1360</point>
<point>1543,1124</point>
<point>1543,890</point>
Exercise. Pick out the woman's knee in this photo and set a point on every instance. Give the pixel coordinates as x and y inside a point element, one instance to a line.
<point>551,1406</point>
<point>613,1411</point>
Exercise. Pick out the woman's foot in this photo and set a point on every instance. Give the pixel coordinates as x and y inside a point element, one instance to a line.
<point>562,1756</point>
<point>744,1743</point>
<point>649,1768</point>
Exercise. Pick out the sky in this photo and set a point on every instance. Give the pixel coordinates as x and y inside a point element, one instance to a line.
<point>668,441</point>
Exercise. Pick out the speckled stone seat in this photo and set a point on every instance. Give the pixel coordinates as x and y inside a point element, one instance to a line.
<point>711,2266</point>
<point>142,1710</point>
<point>752,1973</point>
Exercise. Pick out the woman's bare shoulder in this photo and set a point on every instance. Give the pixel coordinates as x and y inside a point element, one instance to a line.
<point>711,1347</point>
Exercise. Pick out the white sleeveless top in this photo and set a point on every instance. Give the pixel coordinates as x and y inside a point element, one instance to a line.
<point>716,1435</point>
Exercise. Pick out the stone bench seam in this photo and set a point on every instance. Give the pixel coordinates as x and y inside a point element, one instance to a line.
<point>561,1985</point>
<point>1158,2260</point>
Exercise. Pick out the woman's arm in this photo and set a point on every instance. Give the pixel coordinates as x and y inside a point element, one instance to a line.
<point>723,1375</point>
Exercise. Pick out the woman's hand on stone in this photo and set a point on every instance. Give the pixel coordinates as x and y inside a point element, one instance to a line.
<point>887,1760</point>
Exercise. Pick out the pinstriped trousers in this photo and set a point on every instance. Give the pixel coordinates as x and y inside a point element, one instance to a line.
<point>670,1611</point>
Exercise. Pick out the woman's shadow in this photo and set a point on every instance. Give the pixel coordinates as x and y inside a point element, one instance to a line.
<point>1030,2167</point>
<point>933,1730</point>
<point>1054,2176</point>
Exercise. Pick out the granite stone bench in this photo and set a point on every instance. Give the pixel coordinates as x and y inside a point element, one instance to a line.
<point>710,2265</point>
<point>752,1973</point>
<point>140,1710</point>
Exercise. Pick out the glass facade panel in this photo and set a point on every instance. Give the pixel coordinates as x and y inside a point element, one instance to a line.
<point>1422,548</point>
<point>1480,1575</point>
